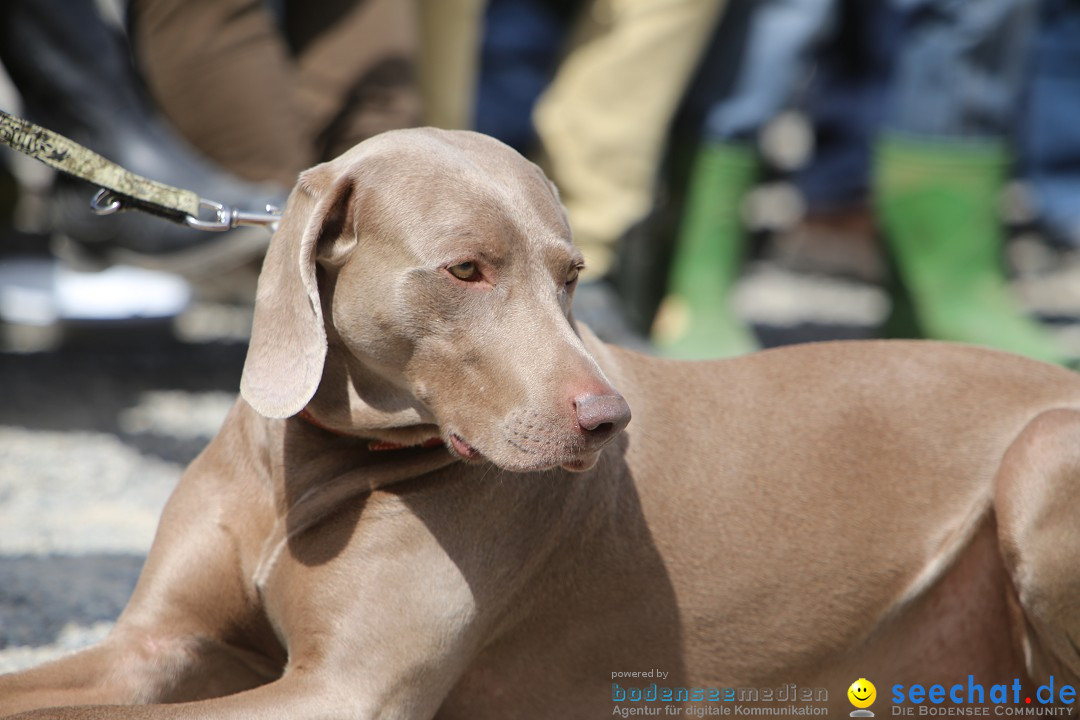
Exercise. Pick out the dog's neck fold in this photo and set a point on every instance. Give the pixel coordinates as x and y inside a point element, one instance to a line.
<point>378,445</point>
<point>355,401</point>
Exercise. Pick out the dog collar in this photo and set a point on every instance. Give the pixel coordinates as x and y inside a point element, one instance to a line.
<point>374,445</point>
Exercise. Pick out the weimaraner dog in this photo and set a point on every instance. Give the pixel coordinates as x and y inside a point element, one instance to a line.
<point>430,501</point>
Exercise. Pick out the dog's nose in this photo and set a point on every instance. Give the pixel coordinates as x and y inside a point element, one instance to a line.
<point>601,416</point>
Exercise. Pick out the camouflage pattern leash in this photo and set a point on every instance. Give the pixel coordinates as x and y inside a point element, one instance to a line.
<point>122,189</point>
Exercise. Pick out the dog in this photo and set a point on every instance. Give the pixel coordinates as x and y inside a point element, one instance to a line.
<point>430,499</point>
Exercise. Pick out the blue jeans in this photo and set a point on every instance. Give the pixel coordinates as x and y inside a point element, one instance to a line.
<point>957,74</point>
<point>961,69</point>
<point>519,53</point>
<point>1049,137</point>
<point>778,54</point>
<point>846,103</point>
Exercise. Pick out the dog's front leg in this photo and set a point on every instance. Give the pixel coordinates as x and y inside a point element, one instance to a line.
<point>330,676</point>
<point>134,665</point>
<point>80,678</point>
<point>296,696</point>
<point>382,630</point>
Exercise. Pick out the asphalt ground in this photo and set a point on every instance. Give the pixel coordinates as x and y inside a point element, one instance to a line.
<point>93,438</point>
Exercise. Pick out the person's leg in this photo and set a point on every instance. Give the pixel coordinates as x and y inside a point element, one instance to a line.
<point>778,57</point>
<point>696,319</point>
<point>356,69</point>
<point>75,75</point>
<point>221,72</point>
<point>521,45</point>
<point>846,106</point>
<point>941,166</point>
<point>450,33</point>
<point>961,67</point>
<point>269,98</point>
<point>1050,137</point>
<point>603,120</point>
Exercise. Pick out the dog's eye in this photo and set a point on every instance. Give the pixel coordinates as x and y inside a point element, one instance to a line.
<point>572,276</point>
<point>464,271</point>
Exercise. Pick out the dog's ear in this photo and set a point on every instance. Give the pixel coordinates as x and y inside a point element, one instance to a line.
<point>288,338</point>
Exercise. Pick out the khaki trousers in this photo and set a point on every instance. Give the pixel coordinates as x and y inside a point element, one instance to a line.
<point>603,121</point>
<point>451,33</point>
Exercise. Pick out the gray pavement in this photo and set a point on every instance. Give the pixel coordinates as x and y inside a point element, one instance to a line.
<point>93,439</point>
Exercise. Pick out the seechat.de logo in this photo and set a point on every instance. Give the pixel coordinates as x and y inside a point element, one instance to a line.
<point>972,698</point>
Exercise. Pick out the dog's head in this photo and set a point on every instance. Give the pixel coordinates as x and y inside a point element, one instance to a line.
<point>420,285</point>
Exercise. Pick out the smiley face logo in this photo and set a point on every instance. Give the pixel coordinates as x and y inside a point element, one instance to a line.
<point>862,693</point>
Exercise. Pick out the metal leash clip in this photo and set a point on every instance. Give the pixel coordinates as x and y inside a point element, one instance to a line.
<point>106,202</point>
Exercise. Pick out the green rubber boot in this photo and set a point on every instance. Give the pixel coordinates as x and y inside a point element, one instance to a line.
<point>938,206</point>
<point>695,320</point>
